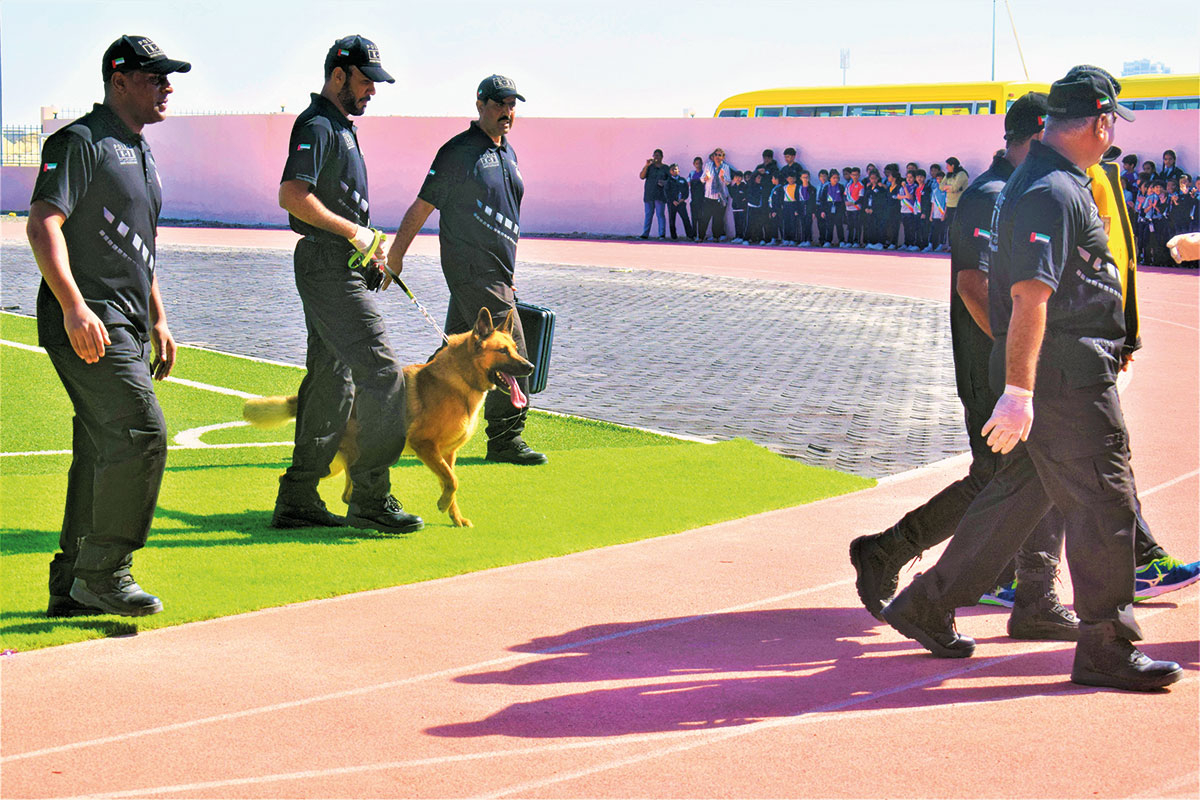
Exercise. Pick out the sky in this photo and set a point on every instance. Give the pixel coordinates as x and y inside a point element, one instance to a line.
<point>605,58</point>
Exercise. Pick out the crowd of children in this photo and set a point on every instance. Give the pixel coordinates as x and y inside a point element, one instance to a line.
<point>890,209</point>
<point>1161,202</point>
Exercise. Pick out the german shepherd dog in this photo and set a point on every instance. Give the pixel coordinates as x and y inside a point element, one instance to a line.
<point>442,399</point>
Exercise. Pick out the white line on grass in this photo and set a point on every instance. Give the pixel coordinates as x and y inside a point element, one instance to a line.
<point>208,387</point>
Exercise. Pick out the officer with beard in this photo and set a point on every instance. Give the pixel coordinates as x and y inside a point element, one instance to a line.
<point>350,365</point>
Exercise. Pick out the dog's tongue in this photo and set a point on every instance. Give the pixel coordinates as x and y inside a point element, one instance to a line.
<point>519,400</point>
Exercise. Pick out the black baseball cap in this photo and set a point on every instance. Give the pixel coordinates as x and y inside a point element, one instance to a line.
<point>1027,116</point>
<point>138,54</point>
<point>497,87</point>
<point>1086,91</point>
<point>357,51</point>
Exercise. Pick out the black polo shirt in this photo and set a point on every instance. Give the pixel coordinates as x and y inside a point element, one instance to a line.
<point>655,188</point>
<point>970,235</point>
<point>1048,229</point>
<point>793,168</point>
<point>477,187</point>
<point>323,152</point>
<point>102,176</point>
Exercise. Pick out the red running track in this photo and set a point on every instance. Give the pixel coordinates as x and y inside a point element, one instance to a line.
<point>729,661</point>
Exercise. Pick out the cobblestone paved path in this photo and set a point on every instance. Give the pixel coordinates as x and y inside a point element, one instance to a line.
<point>849,380</point>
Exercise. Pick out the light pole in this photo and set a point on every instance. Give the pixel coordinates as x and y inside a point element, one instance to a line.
<point>845,62</point>
<point>993,39</point>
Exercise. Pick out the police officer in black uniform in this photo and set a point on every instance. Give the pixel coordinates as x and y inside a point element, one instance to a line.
<point>1056,313</point>
<point>477,187</point>
<point>92,225</point>
<point>878,558</point>
<point>350,365</point>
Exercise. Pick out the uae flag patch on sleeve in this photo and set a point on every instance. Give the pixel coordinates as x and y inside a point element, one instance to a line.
<point>1035,237</point>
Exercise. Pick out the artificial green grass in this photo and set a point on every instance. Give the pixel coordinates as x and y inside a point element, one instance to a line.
<point>211,552</point>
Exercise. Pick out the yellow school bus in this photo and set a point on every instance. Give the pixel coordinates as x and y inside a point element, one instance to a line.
<point>1141,93</point>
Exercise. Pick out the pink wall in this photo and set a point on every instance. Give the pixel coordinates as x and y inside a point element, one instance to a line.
<point>580,174</point>
<point>16,185</point>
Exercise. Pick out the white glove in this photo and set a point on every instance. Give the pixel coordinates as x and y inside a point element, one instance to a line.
<point>362,239</point>
<point>1011,419</point>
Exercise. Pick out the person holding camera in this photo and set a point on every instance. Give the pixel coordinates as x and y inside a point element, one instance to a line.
<point>654,193</point>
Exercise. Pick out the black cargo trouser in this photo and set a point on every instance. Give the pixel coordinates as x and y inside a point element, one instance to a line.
<point>350,367</point>
<point>935,521</point>
<point>473,288</point>
<point>119,446</point>
<point>679,210</point>
<point>1077,459</point>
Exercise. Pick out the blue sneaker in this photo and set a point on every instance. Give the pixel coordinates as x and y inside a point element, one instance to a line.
<point>1163,575</point>
<point>1003,595</point>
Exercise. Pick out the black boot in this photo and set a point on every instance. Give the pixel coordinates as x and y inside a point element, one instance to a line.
<point>315,515</point>
<point>385,516</point>
<point>505,443</point>
<point>915,615</point>
<point>1105,658</point>
<point>878,559</point>
<point>115,594</point>
<point>66,606</point>
<point>1037,612</point>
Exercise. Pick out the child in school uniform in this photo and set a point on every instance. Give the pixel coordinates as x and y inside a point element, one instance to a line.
<point>925,206</point>
<point>775,204</point>
<point>854,196</point>
<point>678,192</point>
<point>833,211</point>
<point>755,211</point>
<point>808,209</point>
<point>822,185</point>
<point>937,214</point>
<point>891,235</point>
<point>909,210</point>
<point>696,184</point>
<point>790,213</point>
<point>737,199</point>
<point>875,201</point>
<point>1154,213</point>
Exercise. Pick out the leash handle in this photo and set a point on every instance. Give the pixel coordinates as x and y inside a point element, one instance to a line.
<point>359,260</point>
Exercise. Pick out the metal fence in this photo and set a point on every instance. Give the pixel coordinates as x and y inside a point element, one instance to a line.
<point>22,145</point>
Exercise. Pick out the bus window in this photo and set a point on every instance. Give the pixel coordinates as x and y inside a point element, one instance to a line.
<point>877,111</point>
<point>1183,104</point>
<point>814,111</point>
<point>948,109</point>
<point>768,111</point>
<point>986,108</point>
<point>732,112</point>
<point>1143,105</point>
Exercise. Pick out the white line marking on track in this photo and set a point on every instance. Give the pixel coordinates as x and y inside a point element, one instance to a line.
<point>445,673</point>
<point>1172,788</point>
<point>441,673</point>
<point>817,715</point>
<point>1169,484</point>
<point>1171,322</point>
<point>684,740</point>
